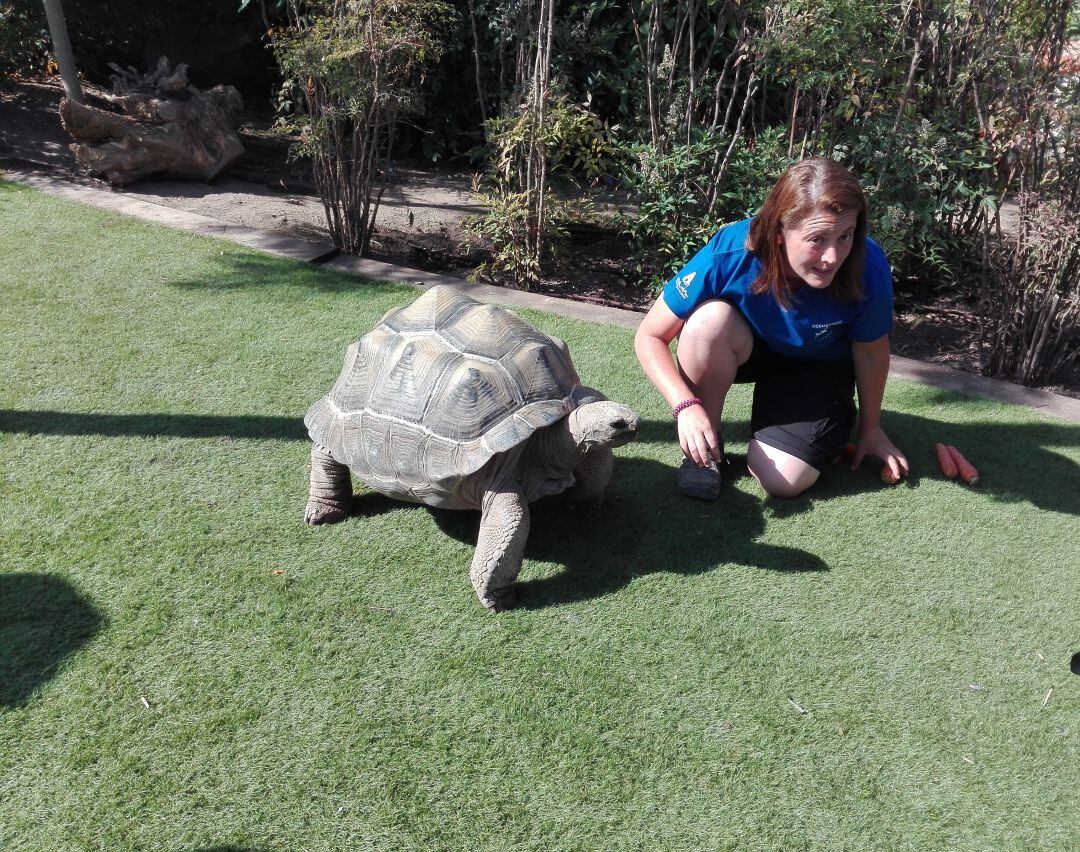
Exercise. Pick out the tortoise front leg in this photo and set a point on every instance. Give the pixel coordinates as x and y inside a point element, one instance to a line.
<point>592,476</point>
<point>330,494</point>
<point>500,547</point>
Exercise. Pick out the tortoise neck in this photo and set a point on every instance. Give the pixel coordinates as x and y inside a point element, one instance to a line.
<point>557,441</point>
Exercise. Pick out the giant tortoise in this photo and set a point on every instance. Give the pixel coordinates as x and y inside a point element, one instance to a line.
<point>462,405</point>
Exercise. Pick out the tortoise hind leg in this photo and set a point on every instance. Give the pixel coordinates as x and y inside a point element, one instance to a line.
<point>330,494</point>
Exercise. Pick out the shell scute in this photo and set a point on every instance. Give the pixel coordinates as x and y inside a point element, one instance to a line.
<point>352,428</point>
<point>473,399</point>
<point>437,308</point>
<point>409,378</point>
<point>372,453</point>
<point>488,331</point>
<point>350,391</point>
<point>541,371</point>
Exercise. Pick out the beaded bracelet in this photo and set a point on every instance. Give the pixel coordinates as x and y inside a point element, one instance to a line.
<point>682,406</point>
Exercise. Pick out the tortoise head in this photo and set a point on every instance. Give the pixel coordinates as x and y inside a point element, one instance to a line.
<point>603,424</point>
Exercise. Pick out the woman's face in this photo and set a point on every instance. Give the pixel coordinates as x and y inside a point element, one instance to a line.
<point>816,247</point>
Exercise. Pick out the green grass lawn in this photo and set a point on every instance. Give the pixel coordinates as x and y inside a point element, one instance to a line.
<point>185,666</point>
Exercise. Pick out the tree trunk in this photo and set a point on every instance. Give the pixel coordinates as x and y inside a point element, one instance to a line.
<point>58,32</point>
<point>189,136</point>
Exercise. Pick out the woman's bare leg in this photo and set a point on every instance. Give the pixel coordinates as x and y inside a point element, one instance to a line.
<point>713,343</point>
<point>780,474</point>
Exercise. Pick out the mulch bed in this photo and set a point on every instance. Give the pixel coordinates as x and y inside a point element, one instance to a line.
<point>933,324</point>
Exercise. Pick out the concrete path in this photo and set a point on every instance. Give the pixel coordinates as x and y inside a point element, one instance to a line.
<point>283,245</point>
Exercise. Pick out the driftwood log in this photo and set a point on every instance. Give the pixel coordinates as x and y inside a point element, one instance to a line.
<point>163,126</point>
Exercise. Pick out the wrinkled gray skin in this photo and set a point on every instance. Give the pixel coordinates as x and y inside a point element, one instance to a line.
<point>572,455</point>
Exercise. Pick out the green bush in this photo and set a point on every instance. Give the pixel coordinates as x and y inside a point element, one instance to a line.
<point>353,69</point>
<point>24,36</point>
<point>925,190</point>
<point>525,217</point>
<point>507,229</point>
<point>680,206</point>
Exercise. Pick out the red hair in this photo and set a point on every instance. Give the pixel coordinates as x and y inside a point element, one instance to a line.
<point>816,183</point>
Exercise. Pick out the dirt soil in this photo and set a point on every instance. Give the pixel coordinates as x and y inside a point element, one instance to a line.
<point>420,224</point>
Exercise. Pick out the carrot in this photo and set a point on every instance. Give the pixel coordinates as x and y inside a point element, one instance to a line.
<point>966,469</point>
<point>945,461</point>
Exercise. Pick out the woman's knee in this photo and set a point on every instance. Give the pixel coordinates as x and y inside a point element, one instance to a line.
<point>779,474</point>
<point>715,331</point>
<point>780,487</point>
<point>718,321</point>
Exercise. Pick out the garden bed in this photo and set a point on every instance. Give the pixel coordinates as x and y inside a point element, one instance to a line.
<point>420,225</point>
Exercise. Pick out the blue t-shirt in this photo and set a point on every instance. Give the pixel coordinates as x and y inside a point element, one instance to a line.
<point>817,325</point>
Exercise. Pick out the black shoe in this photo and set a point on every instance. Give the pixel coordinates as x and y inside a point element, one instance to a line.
<point>701,483</point>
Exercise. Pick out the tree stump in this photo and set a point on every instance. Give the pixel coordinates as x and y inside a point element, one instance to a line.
<point>164,126</point>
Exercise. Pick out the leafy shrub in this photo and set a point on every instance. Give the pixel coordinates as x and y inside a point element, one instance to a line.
<point>509,228</point>
<point>671,220</point>
<point>926,190</point>
<point>1033,299</point>
<point>24,36</point>
<point>355,66</point>
<point>525,217</point>
<point>679,204</point>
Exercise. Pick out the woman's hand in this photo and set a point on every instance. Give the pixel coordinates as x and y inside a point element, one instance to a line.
<point>876,443</point>
<point>697,437</point>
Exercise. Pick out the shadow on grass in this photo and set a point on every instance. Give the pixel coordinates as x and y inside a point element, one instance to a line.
<point>241,269</point>
<point>43,621</point>
<point>645,526</point>
<point>604,549</point>
<point>1016,462</point>
<point>152,425</point>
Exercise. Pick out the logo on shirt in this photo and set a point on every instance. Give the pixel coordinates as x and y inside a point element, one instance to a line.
<point>683,284</point>
<point>822,328</point>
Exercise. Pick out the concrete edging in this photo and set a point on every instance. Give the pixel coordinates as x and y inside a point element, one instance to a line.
<point>276,243</point>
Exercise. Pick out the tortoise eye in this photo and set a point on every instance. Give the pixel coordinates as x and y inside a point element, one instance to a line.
<point>618,424</point>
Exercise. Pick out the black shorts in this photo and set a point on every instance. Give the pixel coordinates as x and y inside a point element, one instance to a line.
<point>804,408</point>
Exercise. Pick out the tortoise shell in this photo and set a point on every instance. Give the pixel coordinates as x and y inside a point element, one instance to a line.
<point>438,388</point>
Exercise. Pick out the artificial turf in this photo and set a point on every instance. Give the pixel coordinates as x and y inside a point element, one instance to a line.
<point>184,665</point>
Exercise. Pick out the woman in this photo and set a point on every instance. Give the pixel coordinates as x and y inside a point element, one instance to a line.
<point>797,300</point>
